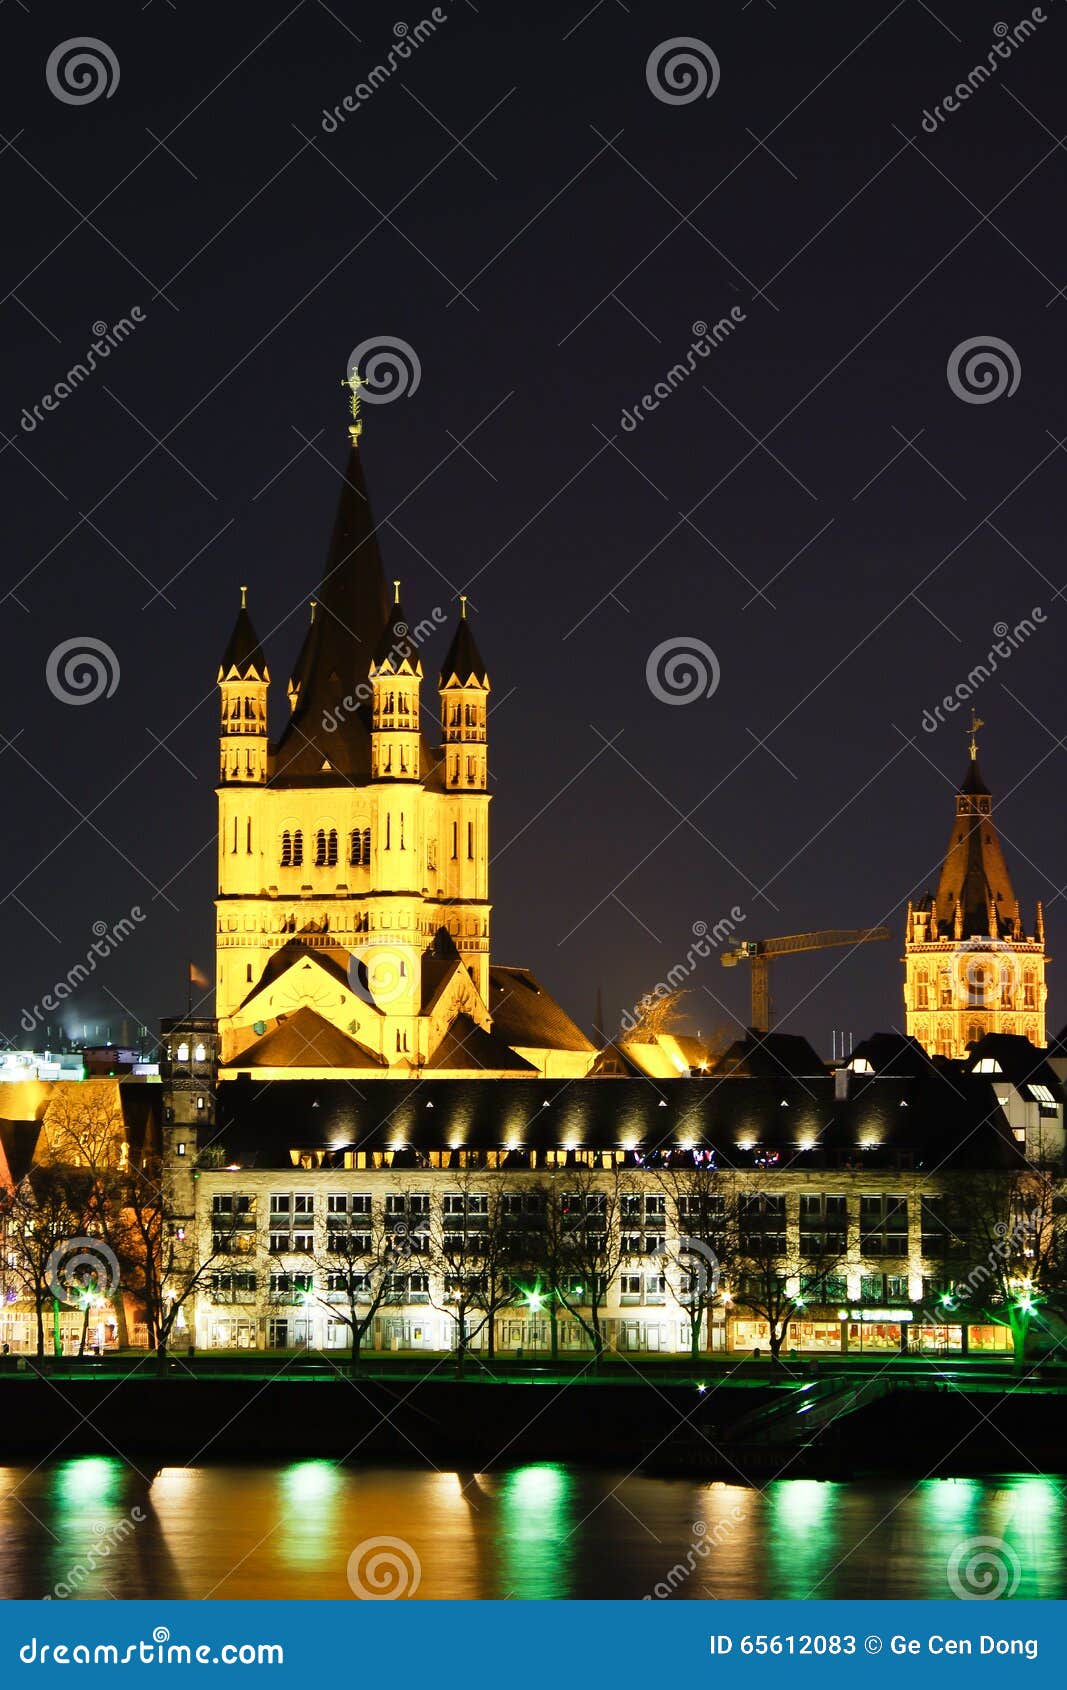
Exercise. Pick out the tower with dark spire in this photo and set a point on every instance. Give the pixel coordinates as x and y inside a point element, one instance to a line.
<point>971,966</point>
<point>351,844</point>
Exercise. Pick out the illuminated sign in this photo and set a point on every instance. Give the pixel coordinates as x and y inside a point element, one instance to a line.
<point>897,1315</point>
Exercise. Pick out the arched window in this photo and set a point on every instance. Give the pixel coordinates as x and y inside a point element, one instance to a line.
<point>287,848</point>
<point>359,847</point>
<point>199,1054</point>
<point>183,1052</point>
<point>298,847</point>
<point>331,847</point>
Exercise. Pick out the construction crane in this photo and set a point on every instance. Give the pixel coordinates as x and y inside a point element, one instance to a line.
<point>762,952</point>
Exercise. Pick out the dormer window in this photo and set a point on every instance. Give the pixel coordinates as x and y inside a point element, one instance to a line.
<point>183,1052</point>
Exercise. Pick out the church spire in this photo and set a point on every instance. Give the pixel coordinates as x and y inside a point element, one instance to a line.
<point>329,730</point>
<point>975,889</point>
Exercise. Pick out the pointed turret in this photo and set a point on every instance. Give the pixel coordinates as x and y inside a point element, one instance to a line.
<point>464,692</point>
<point>243,656</point>
<point>243,679</point>
<point>395,679</point>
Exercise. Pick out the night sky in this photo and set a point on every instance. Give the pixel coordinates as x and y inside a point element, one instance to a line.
<point>815,503</point>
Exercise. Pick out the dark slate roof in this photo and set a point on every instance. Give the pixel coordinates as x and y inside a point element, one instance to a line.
<point>749,1124</point>
<point>395,643</point>
<point>327,737</point>
<point>305,1040</point>
<point>18,1140</point>
<point>466,1045</point>
<point>243,651</point>
<point>769,1055</point>
<point>892,1053</point>
<point>1020,1062</point>
<point>303,661</point>
<point>353,604</point>
<point>333,958</point>
<point>524,1013</point>
<point>974,870</point>
<point>463,659</point>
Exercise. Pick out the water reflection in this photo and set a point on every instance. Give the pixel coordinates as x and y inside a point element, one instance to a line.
<point>94,1527</point>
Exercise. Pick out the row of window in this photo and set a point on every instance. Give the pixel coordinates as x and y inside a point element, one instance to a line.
<point>647,1288</point>
<point>326,848</point>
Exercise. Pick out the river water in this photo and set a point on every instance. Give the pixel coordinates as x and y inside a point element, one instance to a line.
<point>94,1526</point>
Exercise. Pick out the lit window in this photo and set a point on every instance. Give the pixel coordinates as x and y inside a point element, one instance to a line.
<point>1041,1094</point>
<point>183,1052</point>
<point>181,1147</point>
<point>199,1054</point>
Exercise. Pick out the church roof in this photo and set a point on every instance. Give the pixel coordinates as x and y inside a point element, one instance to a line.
<point>463,660</point>
<point>524,1014</point>
<point>466,1045</point>
<point>333,958</point>
<point>243,650</point>
<point>974,872</point>
<point>306,1040</point>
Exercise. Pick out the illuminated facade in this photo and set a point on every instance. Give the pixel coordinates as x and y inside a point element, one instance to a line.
<point>971,968</point>
<point>353,912</point>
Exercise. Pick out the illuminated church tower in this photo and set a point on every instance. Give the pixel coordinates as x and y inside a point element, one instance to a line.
<point>970,966</point>
<point>353,871</point>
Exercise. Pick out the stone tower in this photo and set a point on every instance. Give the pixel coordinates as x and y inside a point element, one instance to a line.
<point>971,967</point>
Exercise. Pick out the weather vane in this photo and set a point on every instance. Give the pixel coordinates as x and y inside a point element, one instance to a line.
<point>976,723</point>
<point>353,383</point>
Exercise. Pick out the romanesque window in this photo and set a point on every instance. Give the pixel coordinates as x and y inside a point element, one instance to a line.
<point>287,848</point>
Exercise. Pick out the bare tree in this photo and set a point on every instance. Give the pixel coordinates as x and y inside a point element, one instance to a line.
<point>999,1240</point>
<point>361,1255</point>
<point>766,1277</point>
<point>581,1245</point>
<point>699,1208</point>
<point>46,1213</point>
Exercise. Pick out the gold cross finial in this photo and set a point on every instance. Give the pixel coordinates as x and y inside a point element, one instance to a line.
<point>396,592</point>
<point>463,606</point>
<point>976,723</point>
<point>312,605</point>
<point>244,598</point>
<point>355,428</point>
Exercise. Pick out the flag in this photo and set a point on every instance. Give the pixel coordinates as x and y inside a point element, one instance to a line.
<point>197,977</point>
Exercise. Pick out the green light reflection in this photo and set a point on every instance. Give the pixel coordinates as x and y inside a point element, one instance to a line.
<point>535,1521</point>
